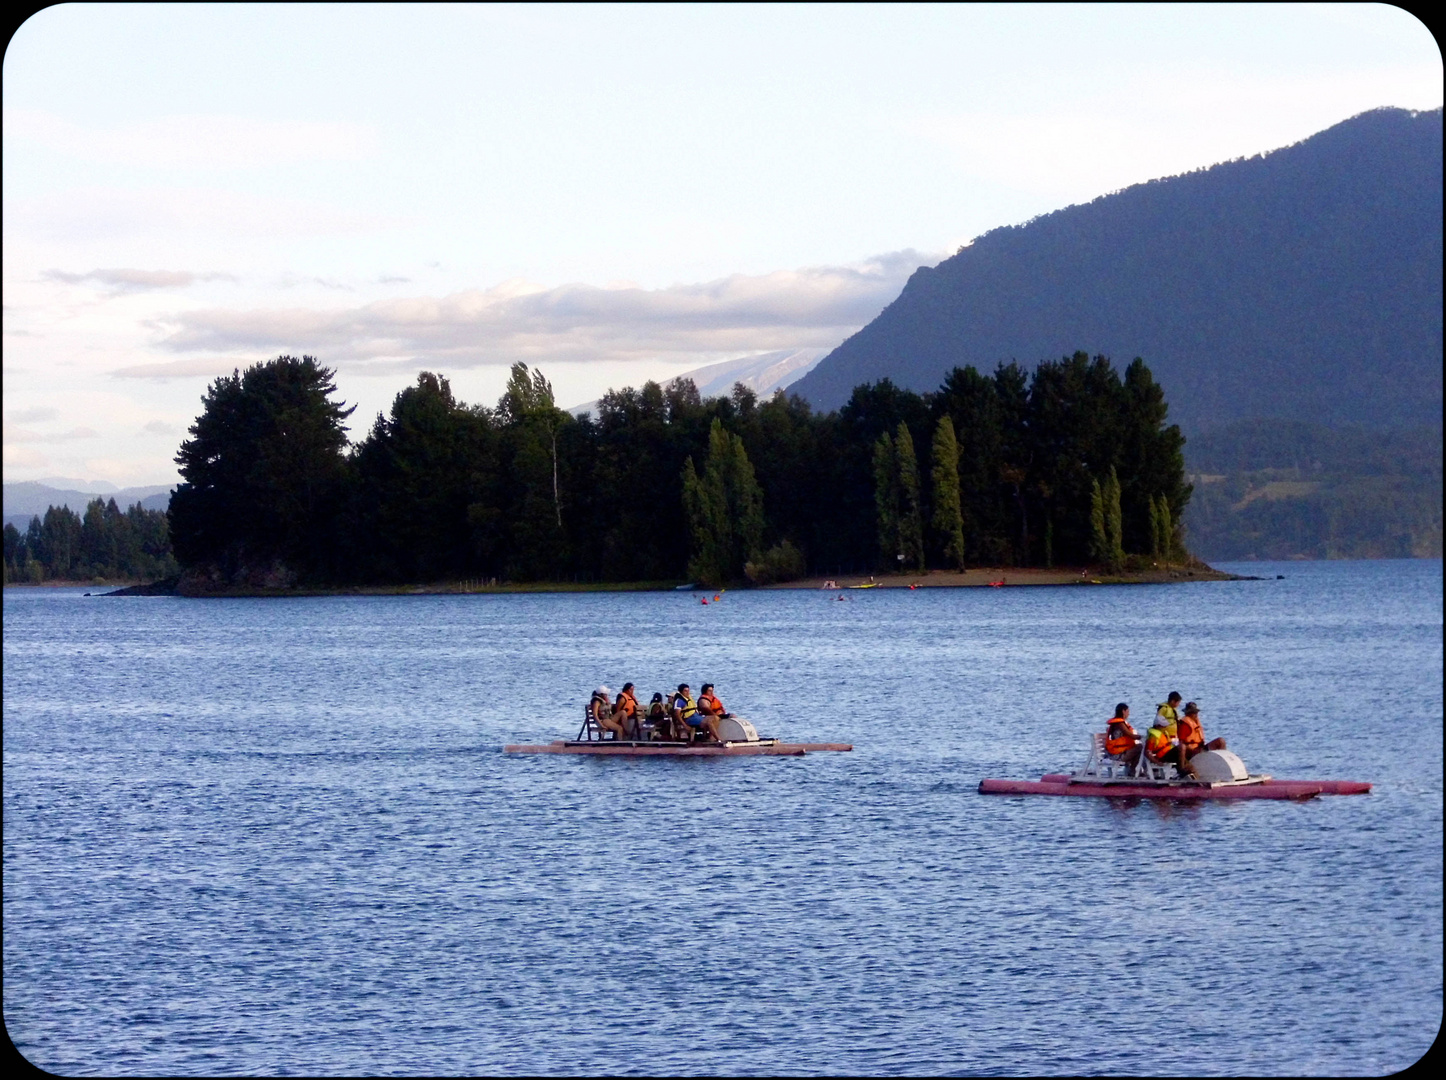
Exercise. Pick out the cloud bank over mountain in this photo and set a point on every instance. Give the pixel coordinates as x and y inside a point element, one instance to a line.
<point>814,307</point>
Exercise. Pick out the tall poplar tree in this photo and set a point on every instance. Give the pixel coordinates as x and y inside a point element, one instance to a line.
<point>887,498</point>
<point>724,508</point>
<point>1099,539</point>
<point>911,508</point>
<point>948,510</point>
<point>1114,523</point>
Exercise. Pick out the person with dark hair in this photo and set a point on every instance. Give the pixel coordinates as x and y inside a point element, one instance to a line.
<point>1121,741</point>
<point>601,710</point>
<point>1192,737</point>
<point>686,716</point>
<point>661,721</point>
<point>625,711</point>
<point>708,703</point>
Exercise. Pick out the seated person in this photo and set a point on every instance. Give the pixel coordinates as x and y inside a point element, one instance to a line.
<point>1120,739</point>
<point>601,709</point>
<point>708,703</point>
<point>685,713</point>
<point>1162,747</point>
<point>1192,737</point>
<point>625,709</point>
<point>659,717</point>
<point>1165,715</point>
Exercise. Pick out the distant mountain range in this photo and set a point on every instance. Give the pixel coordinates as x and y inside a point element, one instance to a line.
<point>1302,284</point>
<point>763,374</point>
<point>31,499</point>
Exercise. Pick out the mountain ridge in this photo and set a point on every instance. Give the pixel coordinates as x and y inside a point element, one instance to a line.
<point>1303,283</point>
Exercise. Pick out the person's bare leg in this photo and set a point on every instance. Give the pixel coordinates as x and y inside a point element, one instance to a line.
<point>1215,744</point>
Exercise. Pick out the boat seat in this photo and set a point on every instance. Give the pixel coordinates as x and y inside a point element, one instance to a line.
<point>1101,763</point>
<point>589,729</point>
<point>1156,770</point>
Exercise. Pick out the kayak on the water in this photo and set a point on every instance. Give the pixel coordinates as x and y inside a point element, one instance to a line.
<point>1219,774</point>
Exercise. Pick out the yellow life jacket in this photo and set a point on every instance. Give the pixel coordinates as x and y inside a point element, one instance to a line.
<point>1158,742</point>
<point>1167,714</point>
<point>686,706</point>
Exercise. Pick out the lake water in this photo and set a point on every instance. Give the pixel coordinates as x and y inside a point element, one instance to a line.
<point>280,836</point>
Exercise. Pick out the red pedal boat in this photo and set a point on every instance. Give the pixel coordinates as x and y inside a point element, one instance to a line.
<point>1222,775</point>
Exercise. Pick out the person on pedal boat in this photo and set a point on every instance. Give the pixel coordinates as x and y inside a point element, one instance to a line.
<point>1192,737</point>
<point>708,703</point>
<point>1121,741</point>
<point>660,718</point>
<point>686,715</point>
<point>1166,716</point>
<point>625,710</point>
<point>1161,745</point>
<point>601,708</point>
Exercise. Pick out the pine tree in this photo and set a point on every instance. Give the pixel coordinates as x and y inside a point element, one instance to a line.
<point>1154,527</point>
<point>948,509</point>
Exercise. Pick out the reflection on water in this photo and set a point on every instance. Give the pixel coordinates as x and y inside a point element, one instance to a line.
<point>280,836</point>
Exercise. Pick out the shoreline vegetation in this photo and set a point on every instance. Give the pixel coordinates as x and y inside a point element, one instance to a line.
<point>1070,465</point>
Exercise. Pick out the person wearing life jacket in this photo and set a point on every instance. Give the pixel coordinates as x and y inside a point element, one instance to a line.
<point>1165,715</point>
<point>601,710</point>
<point>660,719</point>
<point>1121,741</point>
<point>625,710</point>
<point>1192,737</point>
<point>708,703</point>
<point>685,713</point>
<point>1161,746</point>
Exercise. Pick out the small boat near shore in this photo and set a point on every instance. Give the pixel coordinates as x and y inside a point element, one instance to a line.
<point>1221,775</point>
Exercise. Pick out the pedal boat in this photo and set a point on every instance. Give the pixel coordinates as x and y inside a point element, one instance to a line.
<point>740,739</point>
<point>1222,775</point>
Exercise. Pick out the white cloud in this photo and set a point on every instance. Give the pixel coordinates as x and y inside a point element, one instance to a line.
<point>812,307</point>
<point>194,141</point>
<point>180,369</point>
<point>122,279</point>
<point>25,435</point>
<point>31,416</point>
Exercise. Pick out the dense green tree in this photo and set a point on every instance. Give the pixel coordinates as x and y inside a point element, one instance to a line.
<point>1114,525</point>
<point>911,501</point>
<point>422,474</point>
<point>888,499</point>
<point>724,508</point>
<point>1099,534</point>
<point>264,471</point>
<point>948,510</point>
<point>661,482</point>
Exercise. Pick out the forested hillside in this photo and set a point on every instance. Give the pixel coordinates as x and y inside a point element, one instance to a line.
<point>1072,463</point>
<point>103,543</point>
<point>1303,284</point>
<point>1283,489</point>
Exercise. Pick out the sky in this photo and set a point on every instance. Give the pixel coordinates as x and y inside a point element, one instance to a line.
<point>610,194</point>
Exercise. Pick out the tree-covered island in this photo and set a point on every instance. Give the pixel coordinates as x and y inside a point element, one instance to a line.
<point>1070,465</point>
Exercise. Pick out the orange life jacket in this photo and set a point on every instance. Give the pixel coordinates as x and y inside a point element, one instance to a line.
<point>1157,743</point>
<point>710,705</point>
<point>1191,735</point>
<point>1120,738</point>
<point>627,705</point>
